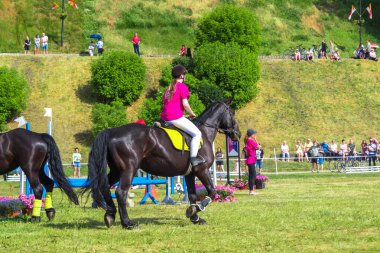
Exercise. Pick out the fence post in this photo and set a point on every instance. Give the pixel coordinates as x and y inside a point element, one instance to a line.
<point>275,160</point>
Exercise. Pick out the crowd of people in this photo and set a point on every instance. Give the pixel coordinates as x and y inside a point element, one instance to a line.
<point>315,152</point>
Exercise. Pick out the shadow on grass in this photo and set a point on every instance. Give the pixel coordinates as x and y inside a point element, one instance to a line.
<point>84,138</point>
<point>98,224</point>
<point>85,94</point>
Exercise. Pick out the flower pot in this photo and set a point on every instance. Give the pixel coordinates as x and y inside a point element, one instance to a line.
<point>260,184</point>
<point>14,214</point>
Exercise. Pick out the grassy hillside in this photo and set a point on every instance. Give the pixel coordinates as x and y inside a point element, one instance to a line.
<point>322,99</point>
<point>164,25</point>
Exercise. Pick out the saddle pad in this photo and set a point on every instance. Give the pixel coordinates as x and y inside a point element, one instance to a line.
<point>177,139</point>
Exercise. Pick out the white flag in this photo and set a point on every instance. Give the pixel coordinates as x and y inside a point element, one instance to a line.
<point>21,121</point>
<point>48,112</point>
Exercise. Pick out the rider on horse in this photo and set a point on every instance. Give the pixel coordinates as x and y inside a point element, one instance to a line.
<point>175,102</point>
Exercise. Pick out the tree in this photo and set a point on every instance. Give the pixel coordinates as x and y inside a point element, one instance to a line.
<point>233,69</point>
<point>107,116</point>
<point>120,76</point>
<point>230,23</point>
<point>14,92</point>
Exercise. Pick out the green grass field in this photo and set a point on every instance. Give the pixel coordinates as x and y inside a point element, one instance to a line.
<point>294,213</point>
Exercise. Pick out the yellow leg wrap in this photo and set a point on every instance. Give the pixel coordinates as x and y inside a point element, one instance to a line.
<point>48,200</point>
<point>37,207</point>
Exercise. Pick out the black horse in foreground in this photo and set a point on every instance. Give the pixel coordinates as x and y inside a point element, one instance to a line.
<point>133,146</point>
<point>30,151</point>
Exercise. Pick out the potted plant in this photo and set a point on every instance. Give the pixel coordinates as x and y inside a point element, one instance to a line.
<point>223,193</point>
<point>261,181</point>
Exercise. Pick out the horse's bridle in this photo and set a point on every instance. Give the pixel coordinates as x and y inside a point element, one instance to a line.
<point>228,131</point>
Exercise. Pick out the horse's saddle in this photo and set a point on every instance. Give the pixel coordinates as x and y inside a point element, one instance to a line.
<point>180,139</point>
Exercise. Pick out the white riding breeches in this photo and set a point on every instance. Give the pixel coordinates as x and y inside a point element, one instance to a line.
<point>187,126</point>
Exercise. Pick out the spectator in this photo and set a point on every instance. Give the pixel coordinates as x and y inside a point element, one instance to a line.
<point>76,162</point>
<point>27,45</point>
<point>251,147</point>
<point>136,44</point>
<point>320,159</point>
<point>314,155</point>
<point>284,151</point>
<point>343,149</point>
<point>100,46</point>
<point>297,55</point>
<point>299,151</point>
<point>44,40</point>
<point>310,54</point>
<point>324,49</point>
<point>188,53</point>
<point>372,149</point>
<point>331,49</point>
<point>333,148</point>
<point>183,51</point>
<point>307,147</point>
<point>335,55</point>
<point>368,49</point>
<point>325,148</point>
<point>372,55</point>
<point>351,148</point>
<point>260,157</point>
<point>36,44</point>
<point>364,146</point>
<point>91,48</point>
<point>219,155</point>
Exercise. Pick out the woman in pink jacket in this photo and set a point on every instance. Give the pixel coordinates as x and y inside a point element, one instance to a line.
<point>251,146</point>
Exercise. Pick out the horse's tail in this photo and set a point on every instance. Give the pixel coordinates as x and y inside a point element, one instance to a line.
<point>97,181</point>
<point>56,168</point>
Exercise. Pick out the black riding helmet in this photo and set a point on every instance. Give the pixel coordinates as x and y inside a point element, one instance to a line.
<point>178,70</point>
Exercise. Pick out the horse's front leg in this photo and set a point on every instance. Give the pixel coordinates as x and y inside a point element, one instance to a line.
<point>194,208</point>
<point>121,195</point>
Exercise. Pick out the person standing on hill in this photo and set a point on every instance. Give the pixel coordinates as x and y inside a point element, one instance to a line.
<point>136,44</point>
<point>76,162</point>
<point>36,44</point>
<point>372,149</point>
<point>251,146</point>
<point>324,49</point>
<point>44,40</point>
<point>27,45</point>
<point>100,46</point>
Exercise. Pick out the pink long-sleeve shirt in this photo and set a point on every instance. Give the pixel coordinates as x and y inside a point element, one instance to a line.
<point>251,147</point>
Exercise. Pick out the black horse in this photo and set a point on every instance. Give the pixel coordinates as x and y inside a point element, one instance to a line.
<point>133,146</point>
<point>31,151</point>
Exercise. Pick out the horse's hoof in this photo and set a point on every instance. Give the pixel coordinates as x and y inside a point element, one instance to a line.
<point>191,210</point>
<point>199,221</point>
<point>35,219</point>
<point>131,225</point>
<point>109,220</point>
<point>50,213</point>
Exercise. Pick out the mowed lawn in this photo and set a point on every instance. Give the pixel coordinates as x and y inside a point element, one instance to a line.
<point>295,213</point>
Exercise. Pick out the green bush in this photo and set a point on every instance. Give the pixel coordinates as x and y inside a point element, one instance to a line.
<point>107,116</point>
<point>187,62</point>
<point>151,110</point>
<point>208,91</point>
<point>233,69</point>
<point>3,123</point>
<point>118,75</point>
<point>229,23</point>
<point>14,91</point>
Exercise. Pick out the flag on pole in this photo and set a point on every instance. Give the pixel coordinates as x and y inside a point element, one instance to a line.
<point>21,121</point>
<point>55,6</point>
<point>73,4</point>
<point>369,9</point>
<point>351,12</point>
<point>48,112</point>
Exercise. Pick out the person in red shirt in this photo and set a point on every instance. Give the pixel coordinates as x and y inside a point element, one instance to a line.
<point>136,44</point>
<point>183,51</point>
<point>251,146</point>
